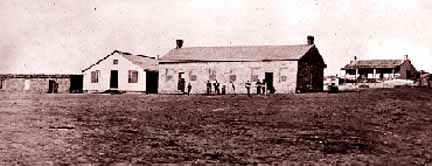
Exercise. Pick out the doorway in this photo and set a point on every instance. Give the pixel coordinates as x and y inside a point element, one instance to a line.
<point>114,79</point>
<point>268,79</point>
<point>152,78</point>
<point>52,86</point>
<point>181,82</point>
<point>76,84</point>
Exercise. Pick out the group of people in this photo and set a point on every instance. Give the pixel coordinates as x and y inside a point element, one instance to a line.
<point>261,88</point>
<point>216,88</point>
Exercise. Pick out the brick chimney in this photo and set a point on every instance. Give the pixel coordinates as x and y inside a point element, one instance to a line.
<point>179,43</point>
<point>310,40</point>
<point>406,57</point>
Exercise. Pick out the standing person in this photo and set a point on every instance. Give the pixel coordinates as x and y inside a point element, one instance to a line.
<point>223,89</point>
<point>264,84</point>
<point>258,87</point>
<point>208,87</point>
<point>233,88</point>
<point>189,88</point>
<point>248,86</point>
<point>216,86</point>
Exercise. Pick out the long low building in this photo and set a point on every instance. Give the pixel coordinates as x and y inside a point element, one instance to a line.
<point>284,68</point>
<point>379,70</point>
<point>41,83</point>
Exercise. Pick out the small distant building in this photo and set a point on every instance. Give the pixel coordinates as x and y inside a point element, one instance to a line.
<point>379,70</point>
<point>284,69</point>
<point>122,71</point>
<point>333,80</point>
<point>41,83</point>
<point>425,80</point>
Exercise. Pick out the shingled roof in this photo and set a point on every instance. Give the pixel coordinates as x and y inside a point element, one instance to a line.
<point>374,64</point>
<point>145,62</point>
<point>237,53</point>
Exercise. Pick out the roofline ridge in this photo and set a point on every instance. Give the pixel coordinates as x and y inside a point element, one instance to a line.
<point>380,59</point>
<point>281,45</point>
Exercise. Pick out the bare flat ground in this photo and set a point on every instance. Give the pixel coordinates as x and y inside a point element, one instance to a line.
<point>370,127</point>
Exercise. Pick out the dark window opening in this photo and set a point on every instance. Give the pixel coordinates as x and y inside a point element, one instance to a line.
<point>193,78</point>
<point>95,76</point>
<point>284,78</point>
<point>233,78</point>
<point>132,76</point>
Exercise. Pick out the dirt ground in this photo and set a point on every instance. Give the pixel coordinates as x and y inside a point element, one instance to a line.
<point>370,127</point>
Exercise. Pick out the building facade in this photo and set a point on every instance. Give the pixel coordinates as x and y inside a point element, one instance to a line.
<point>284,69</point>
<point>379,70</point>
<point>122,71</point>
<point>41,83</point>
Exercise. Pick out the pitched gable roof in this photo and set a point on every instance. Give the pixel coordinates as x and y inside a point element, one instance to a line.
<point>237,53</point>
<point>363,64</point>
<point>145,62</point>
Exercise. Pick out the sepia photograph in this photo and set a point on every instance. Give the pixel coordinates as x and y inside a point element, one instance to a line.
<point>216,82</point>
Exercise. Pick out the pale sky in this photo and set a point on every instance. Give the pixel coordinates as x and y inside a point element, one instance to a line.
<point>66,36</point>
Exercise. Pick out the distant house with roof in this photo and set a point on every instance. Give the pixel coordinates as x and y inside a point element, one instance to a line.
<point>425,79</point>
<point>284,68</point>
<point>41,83</point>
<point>122,71</point>
<point>379,70</point>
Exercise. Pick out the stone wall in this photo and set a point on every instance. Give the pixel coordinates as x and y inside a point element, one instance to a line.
<point>198,73</point>
<point>407,71</point>
<point>36,85</point>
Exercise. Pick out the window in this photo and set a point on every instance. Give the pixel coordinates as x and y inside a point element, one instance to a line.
<point>254,78</point>
<point>169,74</point>
<point>255,72</point>
<point>193,75</point>
<point>283,74</point>
<point>283,78</point>
<point>169,78</point>
<point>115,61</point>
<point>232,78</point>
<point>133,76</point>
<point>193,78</point>
<point>212,74</point>
<point>95,76</point>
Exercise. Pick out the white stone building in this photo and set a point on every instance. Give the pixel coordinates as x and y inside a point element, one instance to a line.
<point>122,71</point>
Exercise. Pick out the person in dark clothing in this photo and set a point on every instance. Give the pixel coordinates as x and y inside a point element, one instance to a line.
<point>208,87</point>
<point>247,86</point>
<point>258,87</point>
<point>233,88</point>
<point>189,88</point>
<point>263,87</point>
<point>223,89</point>
<point>181,85</point>
<point>216,86</point>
